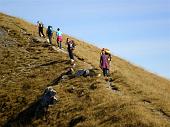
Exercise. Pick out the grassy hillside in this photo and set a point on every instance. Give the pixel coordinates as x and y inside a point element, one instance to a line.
<point>133,98</point>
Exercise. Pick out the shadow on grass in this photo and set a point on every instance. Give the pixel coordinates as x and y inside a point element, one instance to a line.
<point>52,63</point>
<point>26,117</point>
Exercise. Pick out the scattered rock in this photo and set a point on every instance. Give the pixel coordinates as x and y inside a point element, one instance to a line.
<point>26,87</point>
<point>21,100</point>
<point>79,58</point>
<point>71,89</point>
<point>146,101</point>
<point>114,87</point>
<point>38,39</point>
<point>45,45</point>
<point>93,86</point>
<point>80,93</point>
<point>25,33</point>
<point>77,119</point>
<point>2,107</point>
<point>2,32</point>
<point>54,48</point>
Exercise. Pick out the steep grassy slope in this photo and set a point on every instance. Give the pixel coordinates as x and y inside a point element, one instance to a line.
<point>133,98</point>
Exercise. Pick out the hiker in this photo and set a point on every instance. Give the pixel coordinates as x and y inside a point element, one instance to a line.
<point>71,73</point>
<point>87,72</point>
<point>40,29</point>
<point>49,33</point>
<point>59,38</point>
<point>104,62</point>
<point>48,98</point>
<point>70,48</point>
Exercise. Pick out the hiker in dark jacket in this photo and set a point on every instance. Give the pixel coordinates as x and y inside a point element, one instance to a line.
<point>49,33</point>
<point>40,29</point>
<point>71,73</point>
<point>48,98</point>
<point>70,48</point>
<point>104,63</point>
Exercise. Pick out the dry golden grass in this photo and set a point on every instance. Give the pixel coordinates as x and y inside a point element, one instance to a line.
<point>26,69</point>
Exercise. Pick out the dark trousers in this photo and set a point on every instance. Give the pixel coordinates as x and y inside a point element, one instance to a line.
<point>105,71</point>
<point>40,31</point>
<point>50,38</point>
<point>70,52</point>
<point>59,43</point>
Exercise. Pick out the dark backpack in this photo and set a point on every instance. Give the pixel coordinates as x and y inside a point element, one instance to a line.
<point>71,45</point>
<point>49,30</point>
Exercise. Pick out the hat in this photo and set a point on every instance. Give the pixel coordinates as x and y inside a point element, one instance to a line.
<point>103,49</point>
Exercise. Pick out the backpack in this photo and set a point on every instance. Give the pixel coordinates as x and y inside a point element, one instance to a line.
<point>107,51</point>
<point>72,45</point>
<point>50,30</point>
<point>48,97</point>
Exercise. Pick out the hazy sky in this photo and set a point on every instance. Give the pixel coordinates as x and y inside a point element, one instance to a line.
<point>137,30</point>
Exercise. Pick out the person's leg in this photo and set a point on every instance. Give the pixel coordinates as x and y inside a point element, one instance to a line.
<point>107,72</point>
<point>39,31</point>
<point>50,39</point>
<point>71,54</point>
<point>58,42</point>
<point>60,45</point>
<point>42,32</point>
<point>104,72</point>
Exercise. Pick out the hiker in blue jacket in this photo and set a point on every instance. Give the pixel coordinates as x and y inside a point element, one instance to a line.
<point>49,33</point>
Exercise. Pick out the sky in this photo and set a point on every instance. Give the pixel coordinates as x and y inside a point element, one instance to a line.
<point>136,30</point>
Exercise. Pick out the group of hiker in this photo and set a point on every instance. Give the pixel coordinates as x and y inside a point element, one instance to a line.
<point>48,97</point>
<point>105,56</point>
<point>49,33</point>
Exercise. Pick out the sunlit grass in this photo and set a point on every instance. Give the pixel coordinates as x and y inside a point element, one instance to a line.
<point>142,99</point>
